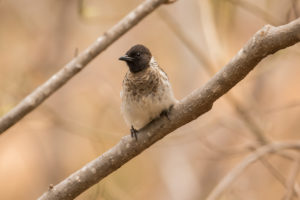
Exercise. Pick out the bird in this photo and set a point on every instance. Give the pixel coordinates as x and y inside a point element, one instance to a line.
<point>146,91</point>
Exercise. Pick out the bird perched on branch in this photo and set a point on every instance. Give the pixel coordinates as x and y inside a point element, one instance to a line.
<point>146,92</point>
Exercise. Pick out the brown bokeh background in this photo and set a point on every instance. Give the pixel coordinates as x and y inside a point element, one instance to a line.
<point>82,120</point>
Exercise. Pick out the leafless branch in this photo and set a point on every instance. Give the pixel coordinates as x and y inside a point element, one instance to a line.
<point>40,94</point>
<point>292,179</point>
<point>266,41</point>
<point>210,69</point>
<point>249,121</point>
<point>278,175</point>
<point>294,6</point>
<point>189,43</point>
<point>258,11</point>
<point>239,169</point>
<point>292,11</point>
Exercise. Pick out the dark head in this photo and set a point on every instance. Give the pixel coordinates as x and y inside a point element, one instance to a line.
<point>137,58</point>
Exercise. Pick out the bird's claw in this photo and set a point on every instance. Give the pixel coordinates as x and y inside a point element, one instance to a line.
<point>166,112</point>
<point>170,1</point>
<point>134,132</point>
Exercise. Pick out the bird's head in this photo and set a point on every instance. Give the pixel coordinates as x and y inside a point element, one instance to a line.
<point>137,58</point>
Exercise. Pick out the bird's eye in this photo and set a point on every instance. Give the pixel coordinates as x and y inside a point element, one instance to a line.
<point>138,54</point>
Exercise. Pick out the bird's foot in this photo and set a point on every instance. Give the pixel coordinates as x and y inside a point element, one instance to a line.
<point>166,112</point>
<point>170,1</point>
<point>134,132</point>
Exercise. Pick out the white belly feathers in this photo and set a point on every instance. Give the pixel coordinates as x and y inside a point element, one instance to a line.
<point>139,109</point>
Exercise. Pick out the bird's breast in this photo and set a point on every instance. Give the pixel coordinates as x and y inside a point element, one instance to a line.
<point>144,97</point>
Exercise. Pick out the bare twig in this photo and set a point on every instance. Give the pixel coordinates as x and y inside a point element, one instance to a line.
<point>248,120</point>
<point>76,52</point>
<point>239,169</point>
<point>77,64</point>
<point>278,175</point>
<point>210,69</point>
<point>293,10</point>
<point>188,42</point>
<point>258,11</point>
<point>292,179</point>
<point>265,42</point>
<point>292,105</point>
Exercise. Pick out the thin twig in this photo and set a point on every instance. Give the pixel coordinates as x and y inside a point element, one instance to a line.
<point>210,69</point>
<point>40,94</point>
<point>240,168</point>
<point>292,179</point>
<point>265,42</point>
<point>248,120</point>
<point>276,173</point>
<point>258,11</point>
<point>295,8</point>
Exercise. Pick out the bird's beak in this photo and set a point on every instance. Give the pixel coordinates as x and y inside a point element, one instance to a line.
<point>126,58</point>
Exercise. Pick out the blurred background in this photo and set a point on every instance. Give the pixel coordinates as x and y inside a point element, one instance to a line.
<point>191,40</point>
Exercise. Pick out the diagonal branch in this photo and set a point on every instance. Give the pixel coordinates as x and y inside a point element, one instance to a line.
<point>239,169</point>
<point>40,94</point>
<point>265,42</point>
<point>252,8</point>
<point>249,121</point>
<point>209,68</point>
<point>292,179</point>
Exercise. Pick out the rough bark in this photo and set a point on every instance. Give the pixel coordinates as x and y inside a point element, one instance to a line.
<point>39,95</point>
<point>265,42</point>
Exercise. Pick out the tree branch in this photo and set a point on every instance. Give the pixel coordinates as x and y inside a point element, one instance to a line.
<point>290,184</point>
<point>239,169</point>
<point>40,94</point>
<point>209,68</point>
<point>252,8</point>
<point>265,42</point>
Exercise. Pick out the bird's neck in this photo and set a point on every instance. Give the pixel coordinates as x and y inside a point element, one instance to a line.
<point>147,70</point>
